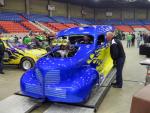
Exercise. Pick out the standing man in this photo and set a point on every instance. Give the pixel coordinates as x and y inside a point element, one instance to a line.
<point>139,39</point>
<point>145,37</point>
<point>133,39</point>
<point>129,38</point>
<point>2,49</point>
<point>118,56</point>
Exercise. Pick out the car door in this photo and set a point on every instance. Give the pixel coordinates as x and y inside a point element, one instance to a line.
<point>101,53</point>
<point>105,60</point>
<point>96,58</point>
<point>9,55</point>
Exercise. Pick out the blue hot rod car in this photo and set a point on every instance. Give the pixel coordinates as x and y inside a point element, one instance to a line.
<point>71,79</point>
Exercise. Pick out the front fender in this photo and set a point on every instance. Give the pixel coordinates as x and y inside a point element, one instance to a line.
<point>30,85</point>
<point>85,81</point>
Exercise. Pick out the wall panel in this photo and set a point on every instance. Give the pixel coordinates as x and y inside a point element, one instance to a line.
<point>39,6</point>
<point>89,12</point>
<point>14,6</point>
<point>149,13</point>
<point>60,8</point>
<point>128,13</point>
<point>116,13</point>
<point>100,14</point>
<point>75,11</point>
<point>140,14</point>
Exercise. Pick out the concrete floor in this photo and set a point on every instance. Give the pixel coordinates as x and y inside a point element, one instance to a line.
<point>116,101</point>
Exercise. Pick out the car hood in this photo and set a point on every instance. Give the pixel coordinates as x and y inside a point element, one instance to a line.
<point>80,58</point>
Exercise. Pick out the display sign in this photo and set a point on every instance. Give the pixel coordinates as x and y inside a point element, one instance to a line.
<point>83,12</point>
<point>51,7</point>
<point>108,13</point>
<point>1,2</point>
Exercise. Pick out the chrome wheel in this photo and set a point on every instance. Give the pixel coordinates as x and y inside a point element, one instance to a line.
<point>26,64</point>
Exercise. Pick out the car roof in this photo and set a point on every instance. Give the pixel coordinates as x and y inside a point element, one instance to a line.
<point>88,30</point>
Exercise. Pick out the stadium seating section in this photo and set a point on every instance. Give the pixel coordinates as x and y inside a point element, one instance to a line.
<point>137,26</point>
<point>124,28</point>
<point>146,22</point>
<point>14,22</point>
<point>109,22</point>
<point>10,17</point>
<point>58,26</point>
<point>50,27</point>
<point>71,25</point>
<point>132,22</point>
<point>39,18</point>
<point>81,21</point>
<point>62,19</point>
<point>147,27</point>
<point>31,27</point>
<point>12,27</point>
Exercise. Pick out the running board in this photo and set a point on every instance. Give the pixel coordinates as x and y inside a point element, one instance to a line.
<point>61,108</point>
<point>18,104</point>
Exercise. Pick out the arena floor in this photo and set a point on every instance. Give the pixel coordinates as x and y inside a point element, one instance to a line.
<point>116,101</point>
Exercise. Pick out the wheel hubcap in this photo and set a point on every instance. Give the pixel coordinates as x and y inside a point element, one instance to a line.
<point>26,64</point>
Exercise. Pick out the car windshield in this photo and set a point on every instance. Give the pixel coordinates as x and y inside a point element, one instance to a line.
<point>80,39</point>
<point>12,44</point>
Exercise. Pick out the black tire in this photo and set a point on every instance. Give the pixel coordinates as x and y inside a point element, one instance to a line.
<point>26,60</point>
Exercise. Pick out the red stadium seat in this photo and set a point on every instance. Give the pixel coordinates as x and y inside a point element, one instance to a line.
<point>147,27</point>
<point>12,27</point>
<point>137,26</point>
<point>71,25</point>
<point>56,26</point>
<point>30,26</point>
<point>124,28</point>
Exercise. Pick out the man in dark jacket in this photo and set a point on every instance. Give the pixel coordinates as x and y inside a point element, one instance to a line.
<point>133,39</point>
<point>2,49</point>
<point>118,56</point>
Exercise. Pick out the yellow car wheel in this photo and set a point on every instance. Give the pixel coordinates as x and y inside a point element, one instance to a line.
<point>27,63</point>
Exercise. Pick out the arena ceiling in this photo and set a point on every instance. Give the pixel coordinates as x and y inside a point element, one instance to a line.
<point>110,3</point>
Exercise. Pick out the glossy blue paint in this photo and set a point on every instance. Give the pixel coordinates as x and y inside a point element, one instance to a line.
<point>67,80</point>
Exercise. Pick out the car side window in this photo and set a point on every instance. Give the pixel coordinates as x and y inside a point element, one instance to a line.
<point>7,54</point>
<point>101,39</point>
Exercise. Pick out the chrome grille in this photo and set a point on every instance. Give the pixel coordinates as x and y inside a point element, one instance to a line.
<point>52,77</point>
<point>55,92</point>
<point>39,75</point>
<point>33,88</point>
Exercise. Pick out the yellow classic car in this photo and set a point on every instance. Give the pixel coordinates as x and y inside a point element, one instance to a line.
<point>21,55</point>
